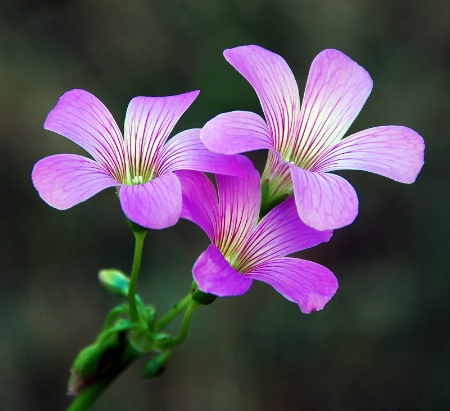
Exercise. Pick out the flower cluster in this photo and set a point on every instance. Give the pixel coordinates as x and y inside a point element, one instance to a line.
<point>253,222</point>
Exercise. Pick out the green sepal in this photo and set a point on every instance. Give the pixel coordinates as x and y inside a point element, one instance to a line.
<point>150,316</point>
<point>136,228</point>
<point>271,203</point>
<point>116,282</point>
<point>141,340</point>
<point>162,341</point>
<point>201,297</point>
<point>264,193</point>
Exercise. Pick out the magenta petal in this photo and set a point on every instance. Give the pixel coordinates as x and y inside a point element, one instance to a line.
<point>186,151</point>
<point>148,123</point>
<point>392,151</point>
<point>213,274</point>
<point>239,203</point>
<point>199,200</point>
<point>65,180</point>
<point>275,85</point>
<point>236,132</point>
<point>324,201</point>
<point>84,119</point>
<point>335,93</point>
<point>279,233</point>
<point>156,204</point>
<point>308,284</point>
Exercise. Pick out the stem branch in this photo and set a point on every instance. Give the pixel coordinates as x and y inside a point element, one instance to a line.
<point>176,309</point>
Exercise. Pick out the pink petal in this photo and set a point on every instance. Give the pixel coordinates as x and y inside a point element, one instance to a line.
<point>148,123</point>
<point>156,204</point>
<point>239,203</point>
<point>308,284</point>
<point>280,232</point>
<point>65,180</point>
<point>324,201</point>
<point>236,132</point>
<point>336,91</point>
<point>84,119</point>
<point>213,274</point>
<point>185,151</point>
<point>391,151</point>
<point>199,200</point>
<point>275,85</point>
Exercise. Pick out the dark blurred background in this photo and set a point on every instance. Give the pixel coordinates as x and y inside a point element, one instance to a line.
<point>382,343</point>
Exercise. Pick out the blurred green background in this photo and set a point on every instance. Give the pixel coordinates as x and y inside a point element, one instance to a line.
<point>382,343</point>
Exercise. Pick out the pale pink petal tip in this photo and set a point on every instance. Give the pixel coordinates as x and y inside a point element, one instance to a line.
<point>84,119</point>
<point>396,152</point>
<point>276,87</point>
<point>236,132</point>
<point>64,180</point>
<point>305,283</point>
<point>324,201</point>
<point>149,122</point>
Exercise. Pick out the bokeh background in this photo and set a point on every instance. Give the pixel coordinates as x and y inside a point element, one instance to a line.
<point>382,343</point>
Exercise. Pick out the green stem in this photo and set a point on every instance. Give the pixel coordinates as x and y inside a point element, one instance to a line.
<point>193,305</point>
<point>173,312</point>
<point>139,235</point>
<point>113,316</point>
<point>89,395</point>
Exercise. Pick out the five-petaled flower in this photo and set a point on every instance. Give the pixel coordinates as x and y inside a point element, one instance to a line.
<point>305,142</point>
<point>140,164</point>
<point>243,250</point>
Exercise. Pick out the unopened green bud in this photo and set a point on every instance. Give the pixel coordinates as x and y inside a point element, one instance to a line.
<point>156,366</point>
<point>115,282</point>
<point>162,341</point>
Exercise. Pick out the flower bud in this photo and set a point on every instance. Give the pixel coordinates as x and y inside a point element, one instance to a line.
<point>156,366</point>
<point>115,282</point>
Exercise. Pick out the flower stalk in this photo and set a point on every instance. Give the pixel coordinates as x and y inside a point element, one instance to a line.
<point>139,236</point>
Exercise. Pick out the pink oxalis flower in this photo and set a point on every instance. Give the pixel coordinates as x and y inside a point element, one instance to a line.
<point>243,250</point>
<point>305,141</point>
<point>140,164</point>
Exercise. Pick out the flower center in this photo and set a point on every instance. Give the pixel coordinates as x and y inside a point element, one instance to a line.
<point>232,259</point>
<point>300,156</point>
<point>136,180</point>
<point>235,263</point>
